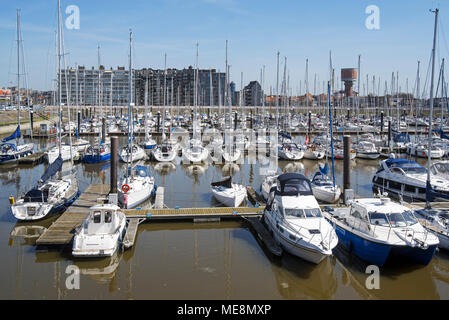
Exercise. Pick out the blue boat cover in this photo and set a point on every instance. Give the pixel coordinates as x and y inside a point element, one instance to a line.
<point>402,137</point>
<point>325,169</point>
<point>52,169</point>
<point>14,135</point>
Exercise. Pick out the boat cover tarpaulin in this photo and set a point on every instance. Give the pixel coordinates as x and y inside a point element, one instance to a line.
<point>227,182</point>
<point>52,169</point>
<point>14,135</point>
<point>36,195</point>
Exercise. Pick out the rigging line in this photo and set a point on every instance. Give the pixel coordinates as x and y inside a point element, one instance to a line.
<point>427,76</point>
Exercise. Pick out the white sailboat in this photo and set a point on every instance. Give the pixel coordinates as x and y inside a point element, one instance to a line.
<point>8,151</point>
<point>228,193</point>
<point>100,233</point>
<point>194,152</point>
<point>137,185</point>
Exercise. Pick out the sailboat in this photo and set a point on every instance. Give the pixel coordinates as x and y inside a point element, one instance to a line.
<point>325,189</point>
<point>56,190</point>
<point>137,185</point>
<point>194,152</point>
<point>228,193</point>
<point>12,152</point>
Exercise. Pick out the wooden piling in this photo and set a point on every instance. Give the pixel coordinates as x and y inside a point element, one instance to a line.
<point>346,162</point>
<point>114,164</point>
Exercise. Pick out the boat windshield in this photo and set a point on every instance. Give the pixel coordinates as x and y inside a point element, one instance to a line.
<point>403,219</point>
<point>409,218</point>
<point>303,213</point>
<point>413,168</point>
<point>379,219</point>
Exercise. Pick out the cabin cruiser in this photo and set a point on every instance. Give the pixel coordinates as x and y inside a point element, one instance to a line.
<point>421,150</point>
<point>136,187</point>
<point>294,217</point>
<point>367,150</point>
<point>437,222</point>
<point>97,153</point>
<point>440,169</point>
<point>407,179</point>
<point>51,195</point>
<point>323,187</point>
<point>376,228</point>
<point>228,193</point>
<point>101,232</point>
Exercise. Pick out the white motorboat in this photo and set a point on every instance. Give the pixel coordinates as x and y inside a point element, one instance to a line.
<point>268,183</point>
<point>136,154</point>
<point>375,228</point>
<point>440,169</point>
<point>101,232</point>
<point>421,150</point>
<point>407,179</point>
<point>294,218</point>
<point>367,150</point>
<point>136,187</point>
<point>228,193</point>
<point>437,222</point>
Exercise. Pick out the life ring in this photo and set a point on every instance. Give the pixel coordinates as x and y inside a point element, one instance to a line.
<point>125,188</point>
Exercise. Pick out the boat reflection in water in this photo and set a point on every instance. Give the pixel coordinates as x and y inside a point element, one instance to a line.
<point>103,270</point>
<point>291,167</point>
<point>298,279</point>
<point>398,280</point>
<point>164,168</point>
<point>229,169</point>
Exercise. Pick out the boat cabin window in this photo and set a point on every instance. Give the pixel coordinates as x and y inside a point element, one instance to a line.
<point>409,218</point>
<point>378,219</point>
<point>108,216</point>
<point>356,214</point>
<point>97,216</point>
<point>296,185</point>
<point>303,213</point>
<point>397,220</point>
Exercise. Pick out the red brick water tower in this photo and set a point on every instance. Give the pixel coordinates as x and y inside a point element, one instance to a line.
<point>348,76</point>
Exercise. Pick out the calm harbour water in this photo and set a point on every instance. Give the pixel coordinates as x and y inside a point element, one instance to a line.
<point>183,260</point>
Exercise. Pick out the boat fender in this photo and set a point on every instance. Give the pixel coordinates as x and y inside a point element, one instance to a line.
<point>12,200</point>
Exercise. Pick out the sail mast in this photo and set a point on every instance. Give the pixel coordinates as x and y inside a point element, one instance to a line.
<point>18,72</point>
<point>59,78</point>
<point>428,186</point>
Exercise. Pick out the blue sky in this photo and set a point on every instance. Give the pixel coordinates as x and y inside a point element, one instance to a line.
<point>256,30</point>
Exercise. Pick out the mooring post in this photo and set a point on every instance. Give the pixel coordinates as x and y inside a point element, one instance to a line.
<point>235,120</point>
<point>381,123</point>
<point>79,122</point>
<point>158,121</point>
<point>251,120</point>
<point>389,133</point>
<point>309,121</point>
<point>347,117</point>
<point>31,123</point>
<point>346,162</point>
<point>103,129</point>
<point>114,163</point>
